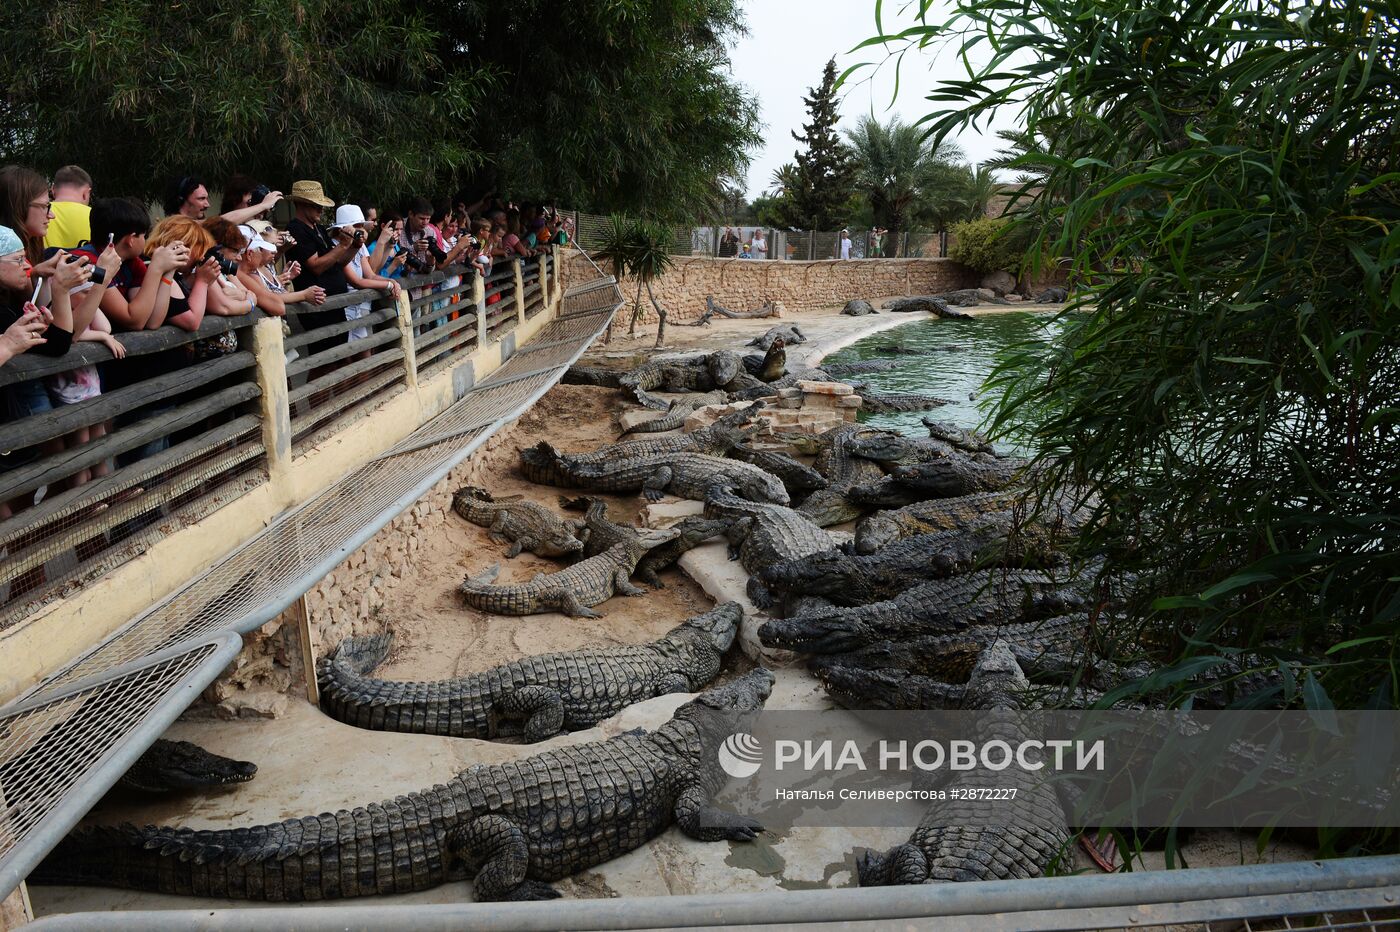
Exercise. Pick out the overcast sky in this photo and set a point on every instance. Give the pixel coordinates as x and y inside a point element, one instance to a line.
<point>790,41</point>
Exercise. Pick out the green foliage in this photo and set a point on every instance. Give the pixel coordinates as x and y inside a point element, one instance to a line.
<point>986,245</point>
<point>623,106</point>
<point>898,171</point>
<point>825,171</point>
<point>140,92</point>
<point>1223,175</point>
<point>640,249</point>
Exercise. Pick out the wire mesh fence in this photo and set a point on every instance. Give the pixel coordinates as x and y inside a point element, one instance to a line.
<point>740,241</point>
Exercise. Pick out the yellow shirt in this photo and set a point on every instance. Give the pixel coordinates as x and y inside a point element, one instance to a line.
<point>70,225</point>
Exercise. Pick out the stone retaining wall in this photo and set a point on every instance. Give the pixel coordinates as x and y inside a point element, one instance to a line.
<point>745,284</point>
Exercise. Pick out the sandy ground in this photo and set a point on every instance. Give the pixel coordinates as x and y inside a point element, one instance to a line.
<point>310,763</point>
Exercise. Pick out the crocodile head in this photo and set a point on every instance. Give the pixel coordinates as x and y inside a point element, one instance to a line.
<point>724,366</point>
<point>760,486</point>
<point>704,722</point>
<point>828,633</point>
<point>875,532</point>
<point>180,765</point>
<point>720,624</point>
<point>881,447</point>
<point>894,690</point>
<point>813,573</point>
<point>559,543</point>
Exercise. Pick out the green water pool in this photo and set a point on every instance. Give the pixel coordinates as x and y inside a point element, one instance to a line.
<point>963,354</point>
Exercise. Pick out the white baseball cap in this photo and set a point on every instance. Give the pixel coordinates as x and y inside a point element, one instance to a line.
<point>348,215</point>
<point>254,240</point>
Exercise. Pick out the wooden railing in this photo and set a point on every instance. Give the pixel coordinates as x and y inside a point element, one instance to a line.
<point>195,437</point>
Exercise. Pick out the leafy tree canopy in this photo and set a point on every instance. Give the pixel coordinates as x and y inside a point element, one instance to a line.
<point>601,105</point>
<point>1222,174</point>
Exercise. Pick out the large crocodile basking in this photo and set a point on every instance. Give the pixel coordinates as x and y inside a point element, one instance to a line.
<point>717,370</point>
<point>537,697</point>
<point>996,539</point>
<point>843,470</point>
<point>1014,834</point>
<point>676,415</point>
<point>541,463</point>
<point>939,514</point>
<point>685,475</point>
<point>762,534</point>
<point>940,606</point>
<point>524,524</point>
<point>1045,646</point>
<point>573,591</point>
<point>514,826</point>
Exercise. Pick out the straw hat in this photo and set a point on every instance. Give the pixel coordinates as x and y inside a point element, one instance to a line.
<point>311,193</point>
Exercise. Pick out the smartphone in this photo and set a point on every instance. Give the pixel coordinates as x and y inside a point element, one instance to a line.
<point>110,237</point>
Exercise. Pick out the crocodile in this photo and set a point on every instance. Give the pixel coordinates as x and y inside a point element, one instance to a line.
<point>687,475</point>
<point>676,414</point>
<point>696,374</point>
<point>772,365</point>
<point>797,478</point>
<point>840,370</point>
<point>843,470</point>
<point>959,476</point>
<point>600,534</point>
<point>878,402</point>
<point>756,389</point>
<point>790,334</point>
<point>763,534</point>
<point>858,308</point>
<point>1052,295</point>
<point>573,591</point>
<point>170,766</point>
<point>1047,644</point>
<point>1018,834</point>
<point>890,450</point>
<point>593,375</point>
<point>526,525</point>
<point>515,825</point>
<point>691,532</point>
<point>542,463</point>
<point>968,441</point>
<point>535,697</point>
<point>940,514</point>
<point>996,539</point>
<point>940,606</point>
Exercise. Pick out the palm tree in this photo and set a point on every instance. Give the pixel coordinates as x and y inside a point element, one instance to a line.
<point>898,170</point>
<point>981,188</point>
<point>650,259</point>
<point>784,180</point>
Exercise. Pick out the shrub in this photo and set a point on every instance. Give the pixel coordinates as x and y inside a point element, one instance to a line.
<point>987,245</point>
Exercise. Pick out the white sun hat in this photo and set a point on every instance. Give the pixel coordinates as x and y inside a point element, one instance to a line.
<point>348,215</point>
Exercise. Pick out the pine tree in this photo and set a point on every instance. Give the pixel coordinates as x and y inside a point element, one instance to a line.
<point>825,171</point>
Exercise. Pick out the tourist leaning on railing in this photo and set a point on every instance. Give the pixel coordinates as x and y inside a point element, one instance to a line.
<point>358,271</point>
<point>23,399</point>
<point>258,274</point>
<point>322,257</point>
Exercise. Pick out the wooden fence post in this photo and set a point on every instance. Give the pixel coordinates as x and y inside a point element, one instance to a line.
<point>479,301</point>
<point>410,355</point>
<point>544,278</point>
<point>519,291</point>
<point>270,357</point>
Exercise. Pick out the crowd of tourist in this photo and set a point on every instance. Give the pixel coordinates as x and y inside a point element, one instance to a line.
<point>78,269</point>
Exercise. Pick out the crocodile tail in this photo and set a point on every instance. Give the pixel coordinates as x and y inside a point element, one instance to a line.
<point>480,579</point>
<point>361,655</point>
<point>594,507</point>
